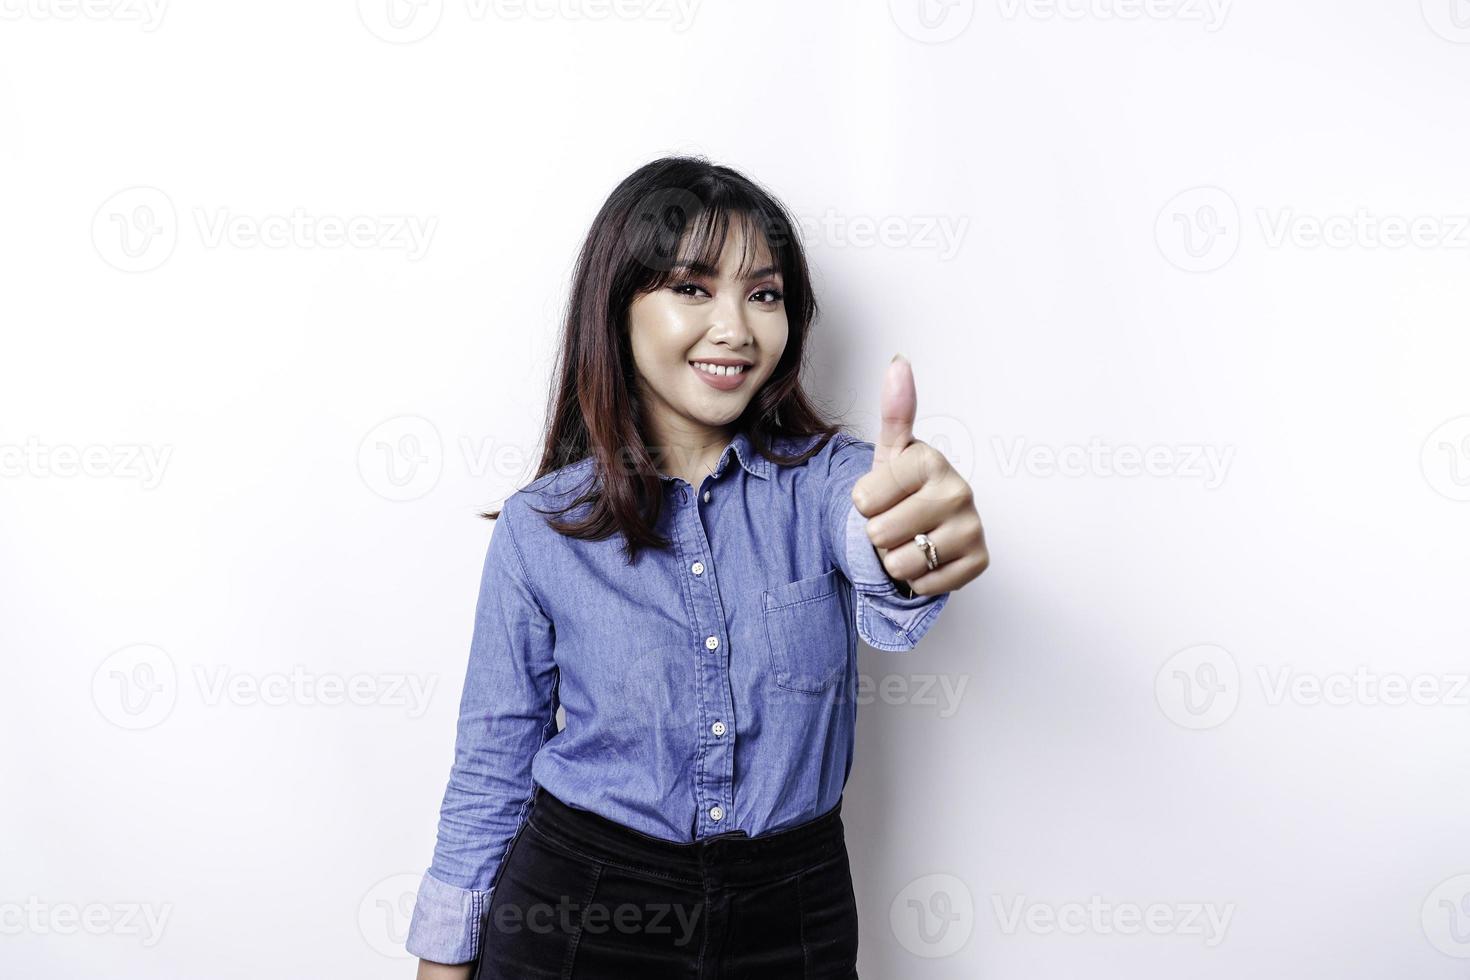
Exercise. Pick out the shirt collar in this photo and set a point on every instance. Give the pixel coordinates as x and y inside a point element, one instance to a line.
<point>754,463</point>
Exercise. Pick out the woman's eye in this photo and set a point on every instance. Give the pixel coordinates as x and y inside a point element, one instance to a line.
<point>694,289</point>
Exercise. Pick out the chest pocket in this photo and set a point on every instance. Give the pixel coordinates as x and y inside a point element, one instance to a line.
<point>806,631</point>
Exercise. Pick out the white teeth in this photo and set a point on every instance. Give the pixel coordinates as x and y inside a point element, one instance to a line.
<point>720,370</point>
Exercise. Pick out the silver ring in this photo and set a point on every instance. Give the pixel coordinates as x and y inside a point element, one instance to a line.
<point>931,553</point>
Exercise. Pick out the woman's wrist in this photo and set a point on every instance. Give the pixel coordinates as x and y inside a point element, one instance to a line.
<point>429,970</point>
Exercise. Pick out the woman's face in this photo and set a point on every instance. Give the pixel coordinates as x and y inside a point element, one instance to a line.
<point>702,318</point>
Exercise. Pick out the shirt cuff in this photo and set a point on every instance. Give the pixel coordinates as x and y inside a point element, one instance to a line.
<point>445,927</point>
<point>885,619</point>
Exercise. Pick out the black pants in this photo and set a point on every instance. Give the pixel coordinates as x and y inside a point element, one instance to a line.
<point>581,897</point>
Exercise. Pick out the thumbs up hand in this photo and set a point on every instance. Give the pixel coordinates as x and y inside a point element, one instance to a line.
<point>912,494</point>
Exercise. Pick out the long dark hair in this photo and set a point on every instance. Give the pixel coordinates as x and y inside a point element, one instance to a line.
<point>667,212</point>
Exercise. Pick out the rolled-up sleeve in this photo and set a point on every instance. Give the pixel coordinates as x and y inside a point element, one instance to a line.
<point>885,619</point>
<point>507,712</point>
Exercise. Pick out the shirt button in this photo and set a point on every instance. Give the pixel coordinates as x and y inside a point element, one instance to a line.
<point>711,642</point>
<point>697,568</point>
<point>718,728</point>
<point>717,813</point>
<point>706,496</point>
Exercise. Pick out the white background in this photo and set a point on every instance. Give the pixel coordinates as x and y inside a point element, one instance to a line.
<point>1173,689</point>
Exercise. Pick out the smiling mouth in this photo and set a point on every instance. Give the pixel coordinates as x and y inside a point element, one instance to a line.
<point>720,370</point>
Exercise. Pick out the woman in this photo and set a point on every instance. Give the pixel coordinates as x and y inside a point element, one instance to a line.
<point>686,577</point>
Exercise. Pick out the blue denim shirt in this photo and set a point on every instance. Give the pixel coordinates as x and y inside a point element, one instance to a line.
<point>708,688</point>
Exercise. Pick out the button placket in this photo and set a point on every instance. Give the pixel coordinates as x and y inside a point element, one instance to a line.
<point>714,760</point>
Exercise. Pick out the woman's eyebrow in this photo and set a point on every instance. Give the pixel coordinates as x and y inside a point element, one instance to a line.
<point>701,269</point>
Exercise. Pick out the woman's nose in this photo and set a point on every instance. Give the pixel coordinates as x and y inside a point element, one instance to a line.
<point>728,322</point>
